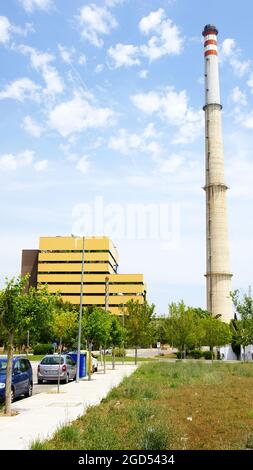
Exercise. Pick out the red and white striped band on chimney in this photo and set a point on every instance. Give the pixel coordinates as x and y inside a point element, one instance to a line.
<point>210,45</point>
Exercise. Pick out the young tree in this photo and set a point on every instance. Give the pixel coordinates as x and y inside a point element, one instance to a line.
<point>217,333</point>
<point>21,310</point>
<point>138,324</point>
<point>96,325</point>
<point>116,336</point>
<point>64,325</point>
<point>242,327</point>
<point>183,327</point>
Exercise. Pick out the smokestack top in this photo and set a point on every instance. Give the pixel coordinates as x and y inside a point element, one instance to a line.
<point>210,29</point>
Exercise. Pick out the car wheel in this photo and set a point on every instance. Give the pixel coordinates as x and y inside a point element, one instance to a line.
<point>30,390</point>
<point>96,369</point>
<point>66,381</point>
<point>12,395</point>
<point>40,381</point>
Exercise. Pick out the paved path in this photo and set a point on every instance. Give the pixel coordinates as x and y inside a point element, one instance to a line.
<point>41,415</point>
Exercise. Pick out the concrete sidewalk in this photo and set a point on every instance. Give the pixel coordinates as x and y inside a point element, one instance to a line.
<point>41,415</point>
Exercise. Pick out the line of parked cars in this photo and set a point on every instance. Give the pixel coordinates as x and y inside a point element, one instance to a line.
<point>48,369</point>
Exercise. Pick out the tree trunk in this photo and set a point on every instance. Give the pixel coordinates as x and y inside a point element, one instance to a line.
<point>212,353</point>
<point>59,368</point>
<point>135,356</point>
<point>113,357</point>
<point>101,356</point>
<point>104,362</point>
<point>89,362</point>
<point>244,353</point>
<point>9,375</point>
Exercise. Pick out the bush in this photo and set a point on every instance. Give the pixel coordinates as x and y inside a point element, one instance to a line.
<point>119,352</point>
<point>43,349</point>
<point>207,355</point>
<point>178,354</point>
<point>196,353</point>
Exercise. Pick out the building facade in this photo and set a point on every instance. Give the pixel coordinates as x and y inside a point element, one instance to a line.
<point>58,264</point>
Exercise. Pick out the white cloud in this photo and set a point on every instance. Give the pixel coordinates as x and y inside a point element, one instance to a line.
<point>230,52</point>
<point>99,68</point>
<point>41,61</point>
<point>171,164</point>
<point>248,120</point>
<point>143,73</point>
<point>127,143</point>
<point>167,39</point>
<point>113,3</point>
<point>66,53</point>
<point>10,162</point>
<point>95,22</point>
<point>82,60</point>
<point>32,127</point>
<point>124,55</point>
<point>41,165</point>
<point>83,164</point>
<point>150,23</point>
<point>238,96</point>
<point>172,107</point>
<point>147,102</point>
<point>250,82</point>
<point>228,47</point>
<point>77,115</point>
<point>31,5</point>
<point>20,90</point>
<point>7,29</point>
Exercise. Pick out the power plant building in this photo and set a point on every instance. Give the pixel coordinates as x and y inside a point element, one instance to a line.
<point>58,264</point>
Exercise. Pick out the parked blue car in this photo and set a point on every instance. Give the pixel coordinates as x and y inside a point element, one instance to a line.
<point>22,377</point>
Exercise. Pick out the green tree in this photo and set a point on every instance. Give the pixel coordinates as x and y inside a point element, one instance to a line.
<point>217,333</point>
<point>117,333</point>
<point>159,330</point>
<point>138,324</point>
<point>20,311</point>
<point>64,325</point>
<point>183,327</point>
<point>96,326</point>
<point>242,327</point>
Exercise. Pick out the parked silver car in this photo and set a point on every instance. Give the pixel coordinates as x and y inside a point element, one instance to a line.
<point>48,369</point>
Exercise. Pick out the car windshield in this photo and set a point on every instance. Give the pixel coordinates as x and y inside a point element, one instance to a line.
<point>52,360</point>
<point>3,365</point>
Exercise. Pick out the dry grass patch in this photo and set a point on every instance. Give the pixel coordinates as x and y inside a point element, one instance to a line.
<point>190,405</point>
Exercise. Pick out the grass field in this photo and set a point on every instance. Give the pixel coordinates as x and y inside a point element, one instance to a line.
<point>32,357</point>
<point>179,405</point>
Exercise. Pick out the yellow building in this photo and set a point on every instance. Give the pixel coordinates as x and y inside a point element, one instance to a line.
<point>58,263</point>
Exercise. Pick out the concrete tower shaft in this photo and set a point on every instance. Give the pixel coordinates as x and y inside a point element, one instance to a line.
<point>218,275</point>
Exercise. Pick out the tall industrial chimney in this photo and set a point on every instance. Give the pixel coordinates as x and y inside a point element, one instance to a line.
<point>218,275</point>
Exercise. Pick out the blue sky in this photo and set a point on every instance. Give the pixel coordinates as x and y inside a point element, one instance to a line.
<point>101,106</point>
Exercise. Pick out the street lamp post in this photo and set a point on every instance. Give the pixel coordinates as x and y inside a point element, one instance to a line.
<point>80,319</point>
<point>123,341</point>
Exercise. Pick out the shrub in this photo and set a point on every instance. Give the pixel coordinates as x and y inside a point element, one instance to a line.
<point>207,354</point>
<point>196,353</point>
<point>119,352</point>
<point>155,438</point>
<point>43,349</point>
